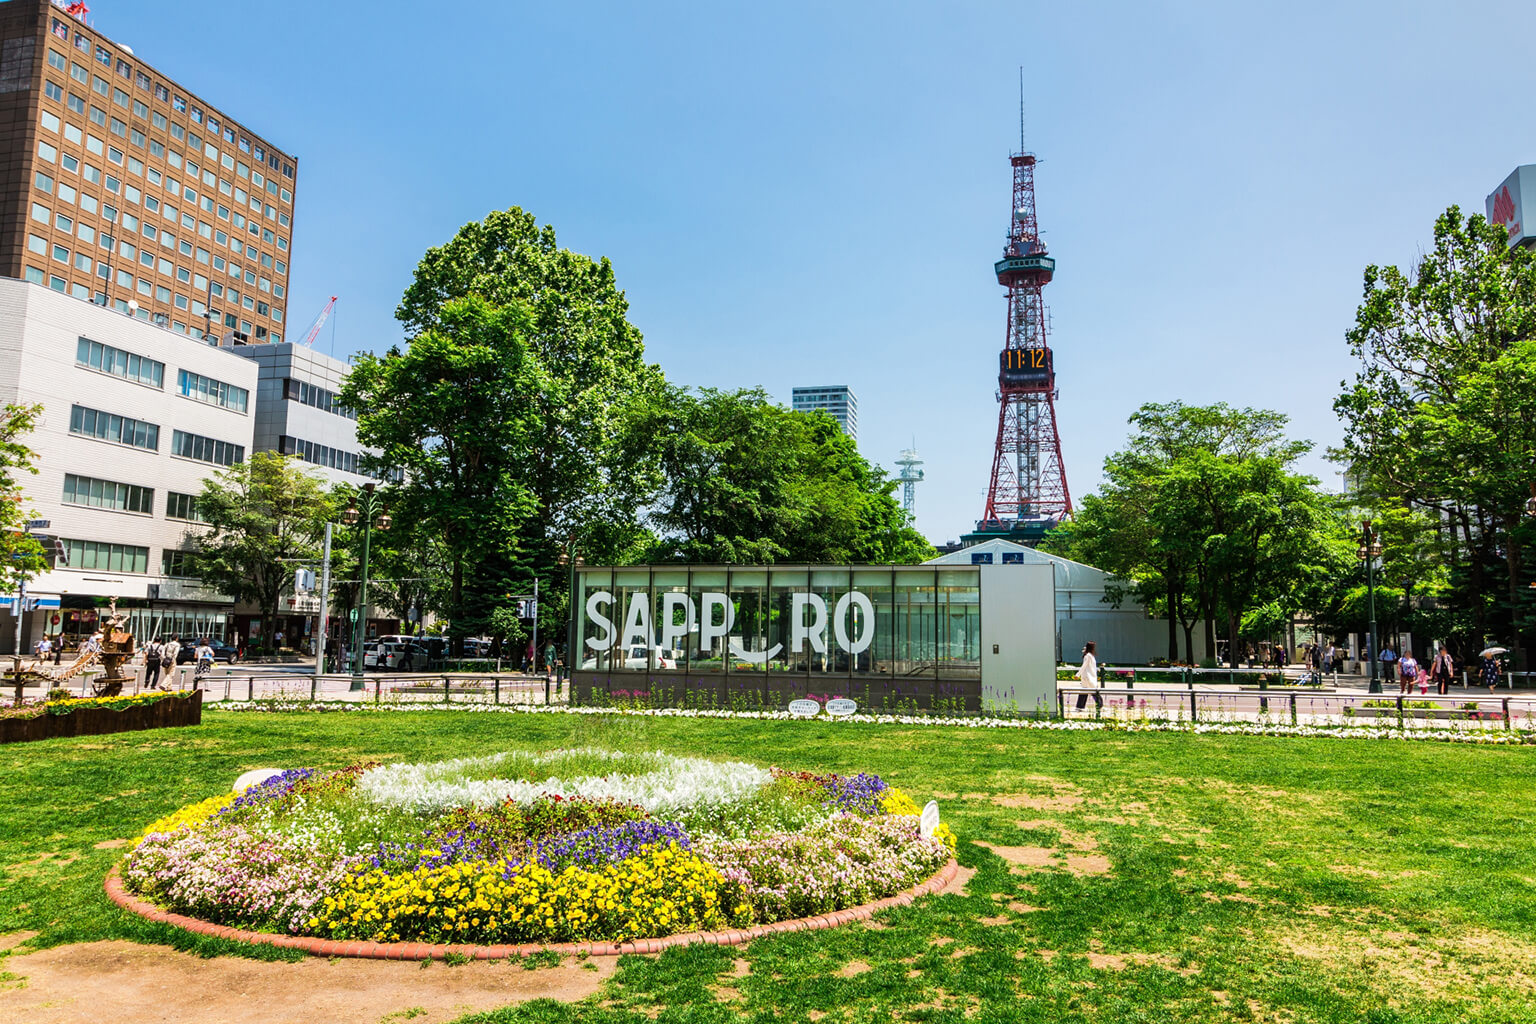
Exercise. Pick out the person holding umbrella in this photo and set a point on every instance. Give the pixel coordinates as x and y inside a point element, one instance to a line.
<point>1491,666</point>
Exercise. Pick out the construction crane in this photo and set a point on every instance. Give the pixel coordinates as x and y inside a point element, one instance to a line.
<point>314,330</point>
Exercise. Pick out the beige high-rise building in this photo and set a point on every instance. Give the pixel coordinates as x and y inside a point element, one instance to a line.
<point>121,186</point>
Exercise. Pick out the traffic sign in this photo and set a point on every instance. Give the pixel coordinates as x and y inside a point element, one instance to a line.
<point>38,524</point>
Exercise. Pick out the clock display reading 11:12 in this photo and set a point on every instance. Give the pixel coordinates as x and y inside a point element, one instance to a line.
<point>1025,366</point>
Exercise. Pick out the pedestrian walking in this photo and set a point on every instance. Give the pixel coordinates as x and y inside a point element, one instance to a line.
<point>1328,656</point>
<point>204,657</point>
<point>1388,659</point>
<point>170,651</point>
<point>1408,673</point>
<point>1491,670</point>
<point>1088,675</point>
<point>44,647</point>
<point>152,655</point>
<point>1442,670</point>
<point>58,650</point>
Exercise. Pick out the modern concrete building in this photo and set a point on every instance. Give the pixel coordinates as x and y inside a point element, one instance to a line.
<point>297,411</point>
<point>1126,634</point>
<point>123,187</point>
<point>134,418</point>
<point>837,400</point>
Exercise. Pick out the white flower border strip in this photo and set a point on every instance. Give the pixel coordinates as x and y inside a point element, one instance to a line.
<point>680,782</point>
<point>1501,736</point>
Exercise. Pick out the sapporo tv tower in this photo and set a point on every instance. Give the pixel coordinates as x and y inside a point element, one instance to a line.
<point>1028,493</point>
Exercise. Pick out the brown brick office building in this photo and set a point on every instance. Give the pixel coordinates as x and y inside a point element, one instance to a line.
<point>120,186</point>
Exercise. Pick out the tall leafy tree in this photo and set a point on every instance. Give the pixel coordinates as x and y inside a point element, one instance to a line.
<point>21,556</point>
<point>545,430</point>
<point>740,479</point>
<point>591,363</point>
<point>1203,513</point>
<point>260,518</point>
<point>1441,415</point>
<point>453,411</point>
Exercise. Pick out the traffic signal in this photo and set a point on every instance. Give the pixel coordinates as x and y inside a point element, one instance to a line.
<point>303,581</point>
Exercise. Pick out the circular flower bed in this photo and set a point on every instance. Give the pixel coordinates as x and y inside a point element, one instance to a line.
<point>572,845</point>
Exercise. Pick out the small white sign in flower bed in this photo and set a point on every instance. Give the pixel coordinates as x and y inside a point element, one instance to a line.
<point>522,846</point>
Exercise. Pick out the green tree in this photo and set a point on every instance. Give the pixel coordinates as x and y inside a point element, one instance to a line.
<point>452,410</point>
<point>1204,516</point>
<point>507,410</point>
<point>21,556</point>
<point>260,518</point>
<point>742,480</point>
<point>590,362</point>
<point>1441,416</point>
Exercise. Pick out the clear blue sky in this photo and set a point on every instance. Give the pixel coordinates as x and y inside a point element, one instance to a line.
<point>815,193</point>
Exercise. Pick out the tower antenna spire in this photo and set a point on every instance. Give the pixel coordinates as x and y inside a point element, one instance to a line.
<point>1021,108</point>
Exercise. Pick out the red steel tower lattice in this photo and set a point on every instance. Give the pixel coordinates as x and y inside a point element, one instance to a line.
<point>1028,491</point>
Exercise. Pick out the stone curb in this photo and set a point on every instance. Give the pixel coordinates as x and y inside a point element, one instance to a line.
<point>439,951</point>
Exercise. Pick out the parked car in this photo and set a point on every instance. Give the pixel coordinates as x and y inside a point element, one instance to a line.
<point>662,657</point>
<point>221,652</point>
<point>410,657</point>
<point>371,654</point>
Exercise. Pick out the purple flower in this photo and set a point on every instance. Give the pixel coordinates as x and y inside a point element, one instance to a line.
<point>275,788</point>
<point>859,792</point>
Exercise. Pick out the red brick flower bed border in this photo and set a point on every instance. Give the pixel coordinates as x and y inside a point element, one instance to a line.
<point>422,950</point>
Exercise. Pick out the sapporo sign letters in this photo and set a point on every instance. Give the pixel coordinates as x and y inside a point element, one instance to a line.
<point>851,621</point>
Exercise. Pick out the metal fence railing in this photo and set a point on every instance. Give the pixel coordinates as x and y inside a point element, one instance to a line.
<point>1214,705</point>
<point>376,688</point>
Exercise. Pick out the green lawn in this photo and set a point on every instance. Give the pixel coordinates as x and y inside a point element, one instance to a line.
<point>1175,877</point>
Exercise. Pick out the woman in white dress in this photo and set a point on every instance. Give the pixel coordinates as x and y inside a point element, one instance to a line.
<point>1088,675</point>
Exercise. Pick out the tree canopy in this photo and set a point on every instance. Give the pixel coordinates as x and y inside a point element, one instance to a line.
<point>21,556</point>
<point>742,480</point>
<point>1441,418</point>
<point>260,518</point>
<point>1204,516</point>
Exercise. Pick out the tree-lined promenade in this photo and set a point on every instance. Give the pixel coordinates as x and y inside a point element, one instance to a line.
<point>519,427</point>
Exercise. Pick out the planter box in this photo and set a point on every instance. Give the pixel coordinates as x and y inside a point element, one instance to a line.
<point>162,714</point>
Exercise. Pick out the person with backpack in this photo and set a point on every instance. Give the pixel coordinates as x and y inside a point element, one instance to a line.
<point>204,657</point>
<point>152,655</point>
<point>169,652</point>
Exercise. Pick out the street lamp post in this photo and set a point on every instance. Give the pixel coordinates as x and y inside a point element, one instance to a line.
<point>1370,550</point>
<point>368,506</point>
<point>571,638</point>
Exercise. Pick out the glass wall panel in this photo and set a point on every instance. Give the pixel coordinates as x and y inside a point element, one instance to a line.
<point>634,616</point>
<point>752,601</point>
<point>596,643</point>
<point>876,659</point>
<point>788,648</point>
<point>959,649</point>
<point>916,615</point>
<point>840,618</point>
<point>707,643</point>
<point>674,623</point>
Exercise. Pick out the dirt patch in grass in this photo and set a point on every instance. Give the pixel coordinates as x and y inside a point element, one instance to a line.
<point>1022,856</point>
<point>852,969</point>
<point>1120,961</point>
<point>1439,966</point>
<point>125,981</point>
<point>111,844</point>
<point>1063,796</point>
<point>43,861</point>
<point>14,939</point>
<point>994,921</point>
<point>1088,864</point>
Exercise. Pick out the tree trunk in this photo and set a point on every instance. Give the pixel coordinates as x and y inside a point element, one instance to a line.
<point>1233,623</point>
<point>1173,629</point>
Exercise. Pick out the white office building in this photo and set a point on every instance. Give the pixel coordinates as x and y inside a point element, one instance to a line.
<point>837,400</point>
<point>297,411</point>
<point>135,417</point>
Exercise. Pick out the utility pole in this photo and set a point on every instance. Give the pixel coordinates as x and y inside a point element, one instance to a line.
<point>535,623</point>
